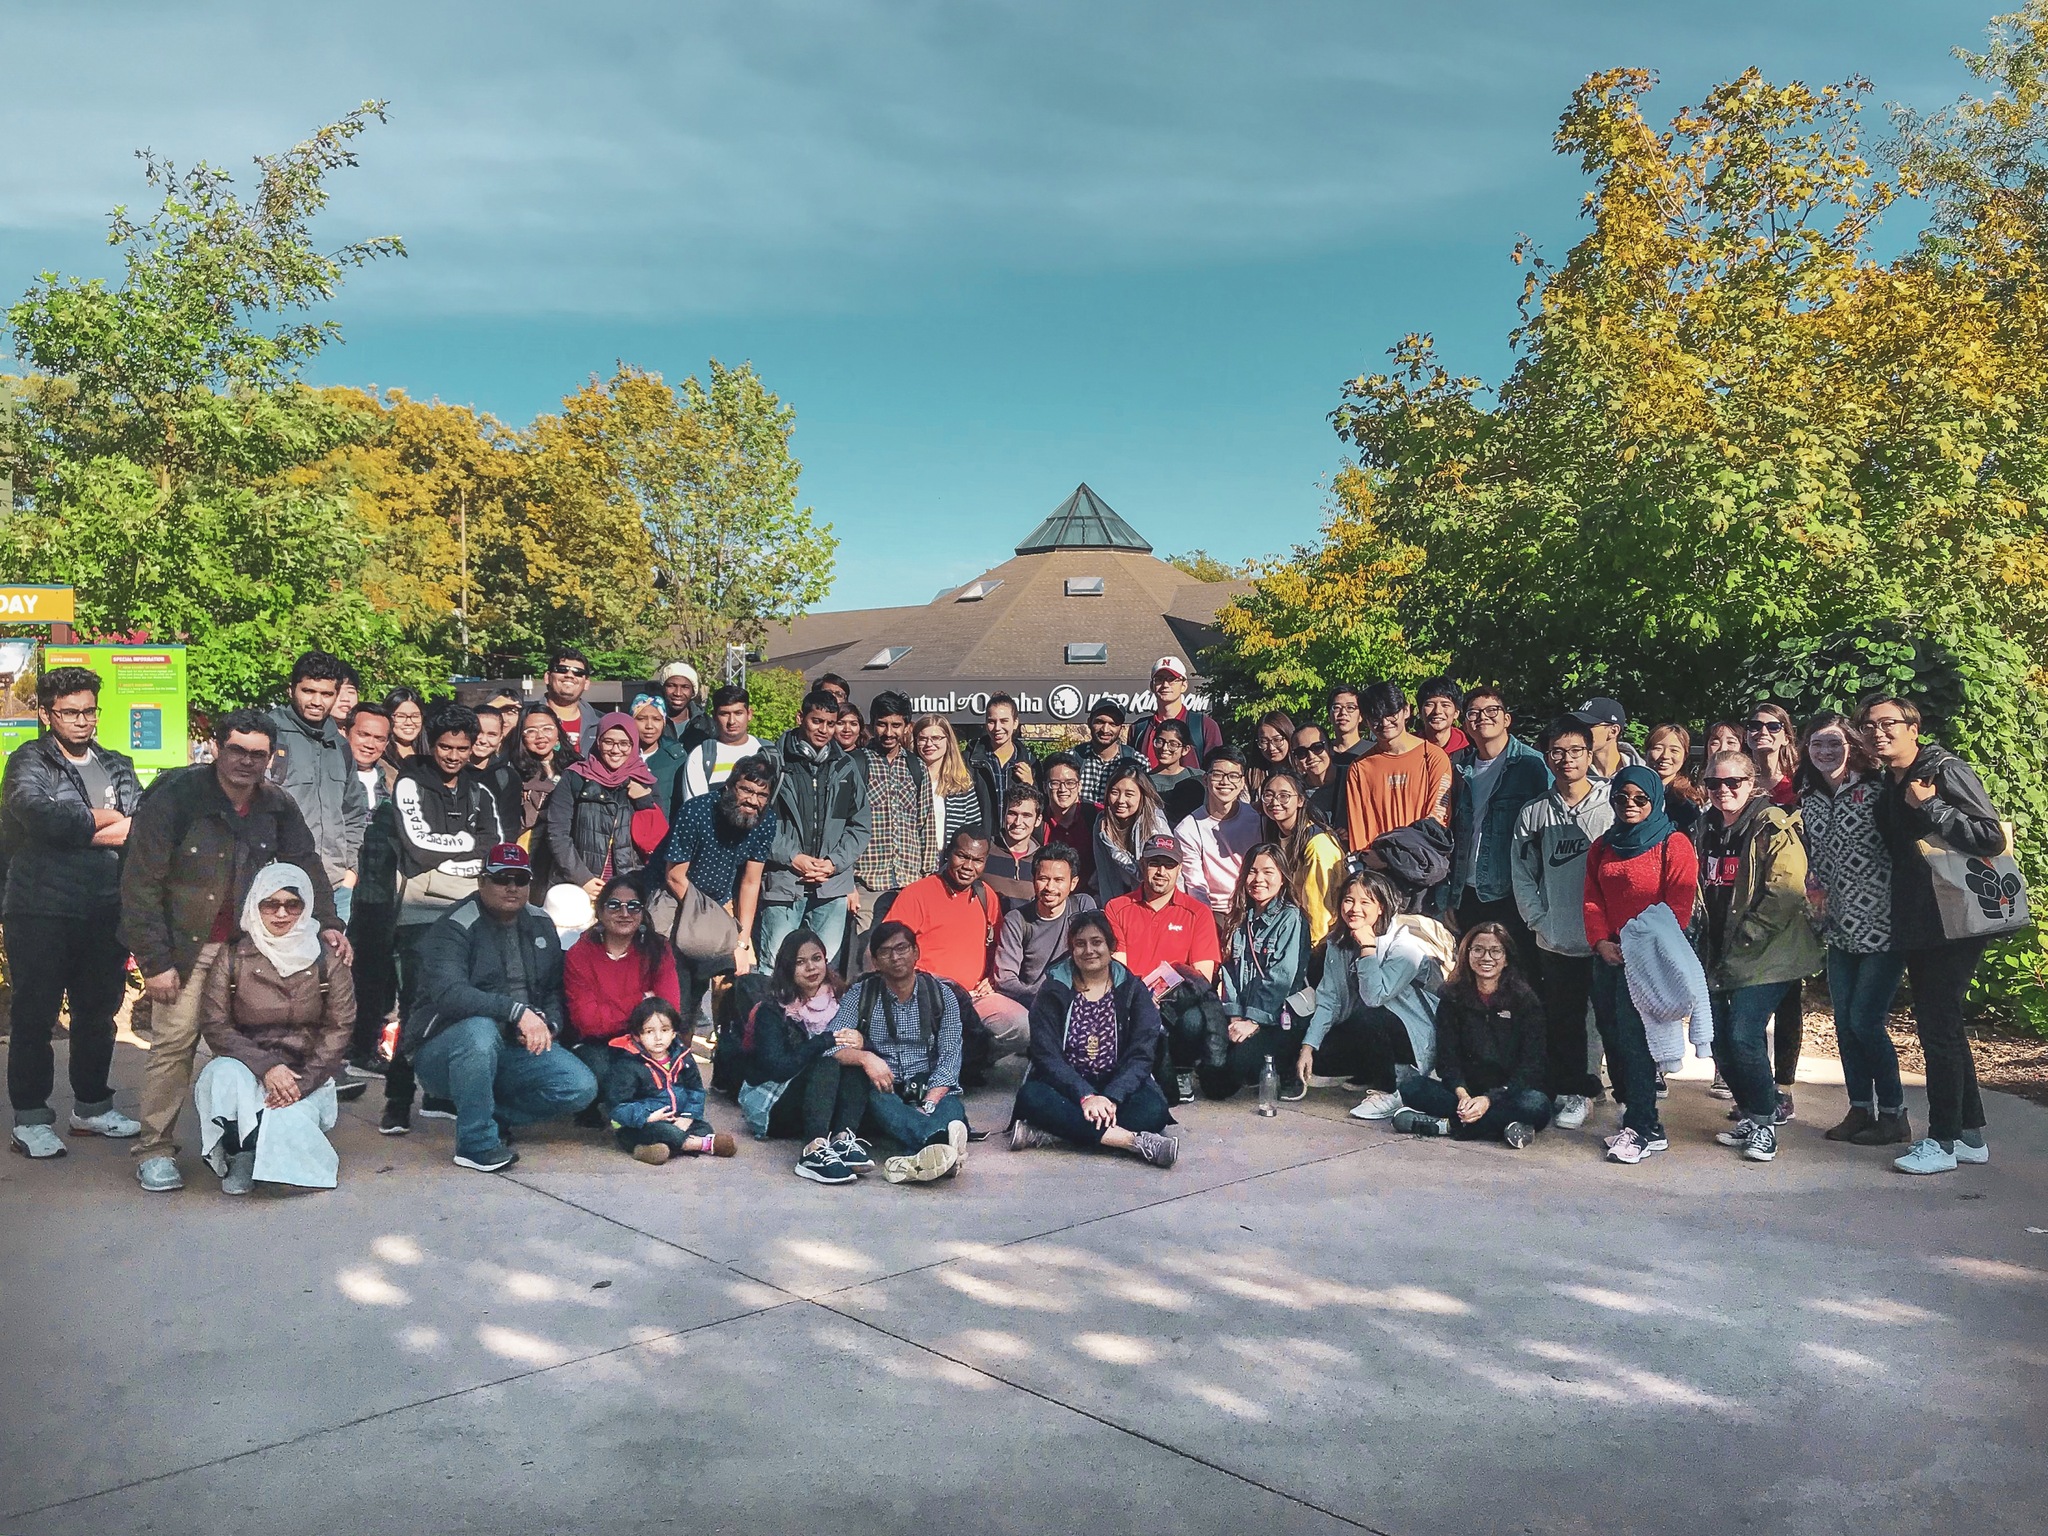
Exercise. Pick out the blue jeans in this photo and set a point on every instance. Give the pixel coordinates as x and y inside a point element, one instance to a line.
<point>1740,1018</point>
<point>1048,1109</point>
<point>1628,1050</point>
<point>891,1119</point>
<point>1863,987</point>
<point>495,1082</point>
<point>825,916</point>
<point>344,898</point>
<point>1432,1097</point>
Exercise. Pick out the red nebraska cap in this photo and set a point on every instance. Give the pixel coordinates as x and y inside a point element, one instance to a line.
<point>504,856</point>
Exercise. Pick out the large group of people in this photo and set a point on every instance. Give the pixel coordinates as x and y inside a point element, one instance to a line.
<point>514,912</point>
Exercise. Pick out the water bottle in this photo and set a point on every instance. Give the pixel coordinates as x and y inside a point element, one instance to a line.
<point>1269,1089</point>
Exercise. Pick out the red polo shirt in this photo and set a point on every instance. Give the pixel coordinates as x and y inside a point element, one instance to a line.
<point>1183,932</point>
<point>954,931</point>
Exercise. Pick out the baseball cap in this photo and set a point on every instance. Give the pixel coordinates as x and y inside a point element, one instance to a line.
<point>505,857</point>
<point>1107,709</point>
<point>1171,664</point>
<point>1601,712</point>
<point>679,669</point>
<point>1160,847</point>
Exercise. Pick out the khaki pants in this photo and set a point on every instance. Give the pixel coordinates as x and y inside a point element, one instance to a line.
<point>167,1075</point>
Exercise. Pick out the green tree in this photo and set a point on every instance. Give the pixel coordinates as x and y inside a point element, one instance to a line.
<point>156,429</point>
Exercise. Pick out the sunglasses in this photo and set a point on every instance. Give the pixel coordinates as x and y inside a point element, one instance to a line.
<point>1718,784</point>
<point>509,877</point>
<point>615,905</point>
<point>1773,727</point>
<point>292,904</point>
<point>1312,749</point>
<point>1632,797</point>
<point>572,672</point>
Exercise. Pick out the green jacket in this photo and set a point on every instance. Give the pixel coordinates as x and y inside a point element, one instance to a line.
<point>1769,936</point>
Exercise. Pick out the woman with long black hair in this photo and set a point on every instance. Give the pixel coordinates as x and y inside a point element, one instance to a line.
<point>798,1076</point>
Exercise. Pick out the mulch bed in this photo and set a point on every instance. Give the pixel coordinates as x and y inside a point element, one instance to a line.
<point>2007,1059</point>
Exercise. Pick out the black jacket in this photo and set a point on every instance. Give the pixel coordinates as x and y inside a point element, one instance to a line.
<point>1138,1032</point>
<point>46,822</point>
<point>992,780</point>
<point>425,827</point>
<point>1960,814</point>
<point>774,1047</point>
<point>1492,1048</point>
<point>584,821</point>
<point>463,975</point>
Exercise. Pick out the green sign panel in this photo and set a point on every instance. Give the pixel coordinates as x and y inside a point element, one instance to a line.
<point>142,700</point>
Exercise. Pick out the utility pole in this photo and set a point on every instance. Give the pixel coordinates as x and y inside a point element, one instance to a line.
<point>462,523</point>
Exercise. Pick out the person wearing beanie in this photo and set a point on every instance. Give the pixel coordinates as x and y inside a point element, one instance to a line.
<point>687,723</point>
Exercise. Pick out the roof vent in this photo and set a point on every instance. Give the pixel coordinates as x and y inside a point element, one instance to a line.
<point>1087,653</point>
<point>976,591</point>
<point>885,658</point>
<point>1084,586</point>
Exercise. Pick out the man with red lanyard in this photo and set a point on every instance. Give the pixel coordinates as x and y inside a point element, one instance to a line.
<point>1170,688</point>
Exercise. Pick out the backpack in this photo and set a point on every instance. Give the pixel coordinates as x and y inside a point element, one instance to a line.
<point>1435,938</point>
<point>734,1009</point>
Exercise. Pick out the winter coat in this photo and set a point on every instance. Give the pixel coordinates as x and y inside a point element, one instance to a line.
<point>821,809</point>
<point>46,825</point>
<point>774,1049</point>
<point>1847,859</point>
<point>638,1085</point>
<point>1547,867</point>
<point>1490,1046</point>
<point>1138,1033</point>
<point>1767,936</point>
<point>462,976</point>
<point>1521,778</point>
<point>313,766</point>
<point>994,779</point>
<point>265,1020</point>
<point>1960,814</point>
<point>190,853</point>
<point>666,762</point>
<point>1267,960</point>
<point>588,823</point>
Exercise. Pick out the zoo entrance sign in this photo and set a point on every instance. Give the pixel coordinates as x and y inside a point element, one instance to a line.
<point>1042,701</point>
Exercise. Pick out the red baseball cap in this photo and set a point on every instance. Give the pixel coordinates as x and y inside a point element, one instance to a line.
<point>504,857</point>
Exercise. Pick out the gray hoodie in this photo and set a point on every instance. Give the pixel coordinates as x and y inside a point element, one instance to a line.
<point>1548,866</point>
<point>313,766</point>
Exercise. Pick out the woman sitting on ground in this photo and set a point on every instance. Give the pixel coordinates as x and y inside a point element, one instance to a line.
<point>800,1077</point>
<point>1308,852</point>
<point>1131,813</point>
<point>1490,1051</point>
<point>277,1013</point>
<point>1375,1018</point>
<point>1265,953</point>
<point>655,1092</point>
<point>611,970</point>
<point>1094,1034</point>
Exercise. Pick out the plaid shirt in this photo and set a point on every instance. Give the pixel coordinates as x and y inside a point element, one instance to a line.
<point>900,849</point>
<point>1095,772</point>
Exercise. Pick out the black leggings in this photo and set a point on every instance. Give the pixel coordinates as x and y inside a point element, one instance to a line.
<point>668,1132</point>
<point>1368,1044</point>
<point>827,1097</point>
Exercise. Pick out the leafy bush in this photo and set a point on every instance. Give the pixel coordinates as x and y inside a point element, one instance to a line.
<point>776,693</point>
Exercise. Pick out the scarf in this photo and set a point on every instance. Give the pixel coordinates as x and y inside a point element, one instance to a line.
<point>815,1015</point>
<point>1627,839</point>
<point>633,771</point>
<point>292,952</point>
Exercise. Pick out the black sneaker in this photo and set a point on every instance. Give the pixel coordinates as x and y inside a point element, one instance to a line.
<point>375,1066</point>
<point>852,1152</point>
<point>496,1160</point>
<point>821,1166</point>
<point>347,1090</point>
<point>1786,1112</point>
<point>432,1108</point>
<point>1183,1087</point>
<point>1663,1088</point>
<point>397,1120</point>
<point>1413,1122</point>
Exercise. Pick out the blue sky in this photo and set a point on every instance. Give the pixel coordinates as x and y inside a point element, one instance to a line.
<point>986,250</point>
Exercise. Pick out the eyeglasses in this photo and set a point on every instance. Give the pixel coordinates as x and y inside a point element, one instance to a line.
<point>1770,727</point>
<point>1631,797</point>
<point>1886,726</point>
<point>1726,784</point>
<point>571,671</point>
<point>631,907</point>
<point>509,877</point>
<point>897,949</point>
<point>1485,952</point>
<point>247,754</point>
<point>1216,776</point>
<point>78,716</point>
<point>1567,754</point>
<point>1485,714</point>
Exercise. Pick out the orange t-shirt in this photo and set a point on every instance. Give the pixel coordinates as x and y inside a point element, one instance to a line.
<point>955,933</point>
<point>1389,790</point>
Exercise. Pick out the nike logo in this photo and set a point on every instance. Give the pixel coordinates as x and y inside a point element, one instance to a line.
<point>1568,852</point>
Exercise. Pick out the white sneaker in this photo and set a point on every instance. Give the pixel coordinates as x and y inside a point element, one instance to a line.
<point>1965,1153</point>
<point>1376,1106</point>
<point>956,1138</point>
<point>1926,1157</point>
<point>38,1141</point>
<point>1571,1111</point>
<point>113,1125</point>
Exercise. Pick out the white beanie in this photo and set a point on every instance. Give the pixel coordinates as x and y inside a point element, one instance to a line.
<point>681,669</point>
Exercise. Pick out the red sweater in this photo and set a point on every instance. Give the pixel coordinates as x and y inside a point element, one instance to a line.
<point>1618,889</point>
<point>602,992</point>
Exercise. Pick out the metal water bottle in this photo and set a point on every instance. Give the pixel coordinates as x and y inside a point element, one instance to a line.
<point>1269,1089</point>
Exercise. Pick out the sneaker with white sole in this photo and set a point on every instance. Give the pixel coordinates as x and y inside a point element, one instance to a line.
<point>1377,1106</point>
<point>1719,1089</point>
<point>1762,1145</point>
<point>1159,1150</point>
<point>821,1165</point>
<point>1413,1122</point>
<point>927,1165</point>
<point>1965,1153</point>
<point>496,1160</point>
<point>1663,1088</point>
<point>956,1138</point>
<point>159,1175</point>
<point>38,1142</point>
<point>1571,1112</point>
<point>1024,1136</point>
<point>1927,1156</point>
<point>432,1108</point>
<point>853,1152</point>
<point>1630,1148</point>
<point>1787,1111</point>
<point>1737,1135</point>
<point>110,1123</point>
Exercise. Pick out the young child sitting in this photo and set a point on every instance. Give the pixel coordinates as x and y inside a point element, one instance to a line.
<point>656,1096</point>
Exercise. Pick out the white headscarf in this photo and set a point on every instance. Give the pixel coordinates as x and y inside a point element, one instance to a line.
<point>298,948</point>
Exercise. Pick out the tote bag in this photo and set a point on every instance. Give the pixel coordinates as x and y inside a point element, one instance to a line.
<point>1980,896</point>
<point>698,927</point>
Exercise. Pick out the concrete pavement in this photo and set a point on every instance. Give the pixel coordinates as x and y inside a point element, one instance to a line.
<point>1308,1325</point>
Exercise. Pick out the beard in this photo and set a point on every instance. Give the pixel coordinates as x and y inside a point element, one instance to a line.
<point>734,817</point>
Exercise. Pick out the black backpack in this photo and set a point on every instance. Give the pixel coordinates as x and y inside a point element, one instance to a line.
<point>729,1045</point>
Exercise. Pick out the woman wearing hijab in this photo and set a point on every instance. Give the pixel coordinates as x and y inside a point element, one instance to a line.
<point>276,1013</point>
<point>1641,860</point>
<point>602,819</point>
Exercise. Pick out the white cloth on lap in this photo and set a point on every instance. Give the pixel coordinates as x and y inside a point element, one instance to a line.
<point>291,1144</point>
<point>1667,984</point>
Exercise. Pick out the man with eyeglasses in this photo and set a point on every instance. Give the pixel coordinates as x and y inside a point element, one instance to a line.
<point>1547,870</point>
<point>196,841</point>
<point>490,1006</point>
<point>1930,793</point>
<point>720,844</point>
<point>1215,839</point>
<point>1497,776</point>
<point>66,809</point>
<point>567,680</point>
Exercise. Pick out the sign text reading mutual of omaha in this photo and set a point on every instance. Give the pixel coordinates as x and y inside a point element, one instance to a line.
<point>38,605</point>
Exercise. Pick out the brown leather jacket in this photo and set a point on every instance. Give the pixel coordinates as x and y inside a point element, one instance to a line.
<point>265,1020</point>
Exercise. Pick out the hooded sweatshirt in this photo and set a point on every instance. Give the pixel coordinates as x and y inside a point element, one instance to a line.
<point>1548,866</point>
